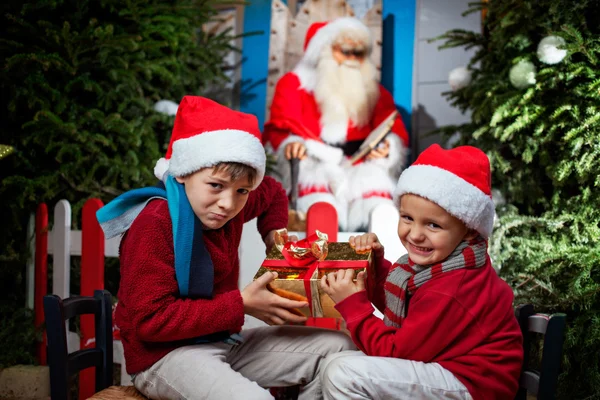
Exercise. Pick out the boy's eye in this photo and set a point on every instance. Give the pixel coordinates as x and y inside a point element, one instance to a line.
<point>406,217</point>
<point>215,185</point>
<point>434,225</point>
<point>243,191</point>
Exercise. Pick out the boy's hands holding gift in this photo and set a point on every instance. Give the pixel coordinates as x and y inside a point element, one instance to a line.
<point>269,307</point>
<point>339,285</point>
<point>269,240</point>
<point>367,242</point>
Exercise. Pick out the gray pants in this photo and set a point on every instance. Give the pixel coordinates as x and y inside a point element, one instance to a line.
<point>352,375</point>
<point>268,357</point>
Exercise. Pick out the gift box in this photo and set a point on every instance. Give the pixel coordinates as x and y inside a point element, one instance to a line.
<point>301,265</point>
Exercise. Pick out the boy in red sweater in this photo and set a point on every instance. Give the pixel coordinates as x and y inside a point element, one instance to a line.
<point>180,310</point>
<point>449,330</point>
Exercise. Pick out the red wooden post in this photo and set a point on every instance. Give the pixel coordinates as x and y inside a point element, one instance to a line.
<point>323,217</point>
<point>41,275</point>
<point>92,278</point>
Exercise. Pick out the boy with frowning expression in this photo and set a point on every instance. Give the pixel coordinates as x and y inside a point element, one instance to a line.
<point>180,310</point>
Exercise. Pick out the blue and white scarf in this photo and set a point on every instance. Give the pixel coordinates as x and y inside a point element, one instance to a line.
<point>194,268</point>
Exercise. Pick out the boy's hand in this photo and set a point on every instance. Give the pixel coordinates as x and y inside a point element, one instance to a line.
<point>368,241</point>
<point>339,285</point>
<point>269,307</point>
<point>270,240</point>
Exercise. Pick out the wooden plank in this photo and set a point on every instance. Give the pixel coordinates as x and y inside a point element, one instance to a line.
<point>280,18</point>
<point>41,275</point>
<point>111,246</point>
<point>30,267</point>
<point>373,20</point>
<point>61,244</point>
<point>92,278</point>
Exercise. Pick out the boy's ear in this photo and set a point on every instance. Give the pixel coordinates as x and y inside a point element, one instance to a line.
<point>471,234</point>
<point>180,179</point>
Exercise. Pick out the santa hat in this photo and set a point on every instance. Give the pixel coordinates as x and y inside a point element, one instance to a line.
<point>458,180</point>
<point>322,34</point>
<point>206,133</point>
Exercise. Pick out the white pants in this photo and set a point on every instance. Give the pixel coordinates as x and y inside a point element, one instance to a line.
<point>353,375</point>
<point>268,357</point>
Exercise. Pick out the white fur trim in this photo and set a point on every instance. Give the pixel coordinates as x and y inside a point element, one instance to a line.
<point>161,167</point>
<point>313,172</point>
<point>368,177</point>
<point>284,174</point>
<point>335,132</point>
<point>290,139</point>
<point>324,152</point>
<point>395,162</point>
<point>210,148</point>
<point>305,202</point>
<point>455,195</point>
<point>359,211</point>
<point>307,76</point>
<point>325,36</point>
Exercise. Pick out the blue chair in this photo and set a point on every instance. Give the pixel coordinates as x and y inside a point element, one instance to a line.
<point>542,383</point>
<point>64,365</point>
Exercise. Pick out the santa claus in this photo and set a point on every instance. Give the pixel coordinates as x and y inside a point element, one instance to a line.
<point>322,112</point>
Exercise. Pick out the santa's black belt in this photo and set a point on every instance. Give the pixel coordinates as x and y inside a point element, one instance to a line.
<point>349,148</point>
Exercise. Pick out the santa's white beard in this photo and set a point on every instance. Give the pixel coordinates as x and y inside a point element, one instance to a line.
<point>344,92</point>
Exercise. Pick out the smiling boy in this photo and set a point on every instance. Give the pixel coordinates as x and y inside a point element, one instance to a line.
<point>449,330</point>
<point>180,310</point>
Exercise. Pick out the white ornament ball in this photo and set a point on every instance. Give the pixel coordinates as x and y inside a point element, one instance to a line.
<point>548,50</point>
<point>166,107</point>
<point>522,74</point>
<point>459,78</point>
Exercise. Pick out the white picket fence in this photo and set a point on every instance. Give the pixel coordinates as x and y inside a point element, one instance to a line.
<point>64,242</point>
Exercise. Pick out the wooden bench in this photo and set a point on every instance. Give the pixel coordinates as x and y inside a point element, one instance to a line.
<point>118,393</point>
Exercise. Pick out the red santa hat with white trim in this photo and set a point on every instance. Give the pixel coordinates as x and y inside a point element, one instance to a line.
<point>458,180</point>
<point>205,134</point>
<point>321,35</point>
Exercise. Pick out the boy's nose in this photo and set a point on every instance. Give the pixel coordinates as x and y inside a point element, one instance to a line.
<point>416,234</point>
<point>226,202</point>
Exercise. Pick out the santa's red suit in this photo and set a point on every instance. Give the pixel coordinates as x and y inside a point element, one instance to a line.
<point>327,175</point>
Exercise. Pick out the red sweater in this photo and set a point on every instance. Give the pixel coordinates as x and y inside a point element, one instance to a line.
<point>463,321</point>
<point>153,318</point>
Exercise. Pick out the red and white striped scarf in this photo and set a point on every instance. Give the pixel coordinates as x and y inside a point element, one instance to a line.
<point>406,276</point>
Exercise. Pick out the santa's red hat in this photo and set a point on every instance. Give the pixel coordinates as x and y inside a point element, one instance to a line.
<point>206,133</point>
<point>322,34</point>
<point>458,180</point>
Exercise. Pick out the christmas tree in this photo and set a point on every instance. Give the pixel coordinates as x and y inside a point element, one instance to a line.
<point>533,91</point>
<point>79,80</point>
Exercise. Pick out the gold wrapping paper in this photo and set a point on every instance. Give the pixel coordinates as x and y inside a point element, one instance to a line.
<point>294,279</point>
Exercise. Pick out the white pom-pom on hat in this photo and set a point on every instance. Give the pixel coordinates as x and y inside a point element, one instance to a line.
<point>459,78</point>
<point>522,74</point>
<point>548,50</point>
